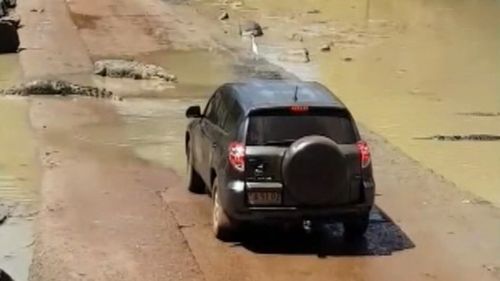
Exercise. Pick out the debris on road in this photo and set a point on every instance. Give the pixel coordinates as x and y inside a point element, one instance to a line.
<point>9,23</point>
<point>325,48</point>
<point>37,10</point>
<point>295,55</point>
<point>12,18</point>
<point>237,5</point>
<point>4,276</point>
<point>132,69</point>
<point>224,16</point>
<point>9,42</point>
<point>55,87</point>
<point>314,11</point>
<point>296,37</point>
<point>251,28</point>
<point>4,214</point>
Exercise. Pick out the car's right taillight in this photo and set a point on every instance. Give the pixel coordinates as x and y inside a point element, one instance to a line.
<point>364,154</point>
<point>236,155</point>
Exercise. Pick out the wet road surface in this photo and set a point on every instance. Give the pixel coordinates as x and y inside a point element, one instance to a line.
<point>19,176</point>
<point>114,204</point>
<point>427,235</point>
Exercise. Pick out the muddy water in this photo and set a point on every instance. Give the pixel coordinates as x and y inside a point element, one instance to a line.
<point>416,65</point>
<point>10,70</point>
<point>19,175</point>
<point>17,147</point>
<point>152,117</point>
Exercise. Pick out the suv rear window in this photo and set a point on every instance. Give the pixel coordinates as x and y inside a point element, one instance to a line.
<point>285,129</point>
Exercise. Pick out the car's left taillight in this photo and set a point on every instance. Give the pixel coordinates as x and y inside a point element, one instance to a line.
<point>364,154</point>
<point>236,156</point>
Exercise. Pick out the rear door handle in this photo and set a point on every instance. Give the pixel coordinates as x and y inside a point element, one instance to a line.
<point>214,145</point>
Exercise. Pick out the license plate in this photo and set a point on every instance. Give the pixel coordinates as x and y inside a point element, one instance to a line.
<point>264,197</point>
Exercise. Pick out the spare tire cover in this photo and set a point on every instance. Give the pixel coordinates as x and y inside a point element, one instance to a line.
<point>315,172</point>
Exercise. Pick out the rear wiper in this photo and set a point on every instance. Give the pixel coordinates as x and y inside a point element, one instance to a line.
<point>279,142</point>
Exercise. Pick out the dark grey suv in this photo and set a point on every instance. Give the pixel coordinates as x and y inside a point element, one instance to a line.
<point>279,151</point>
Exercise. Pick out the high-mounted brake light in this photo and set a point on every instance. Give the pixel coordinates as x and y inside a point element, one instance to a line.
<point>299,109</point>
<point>364,154</point>
<point>237,156</point>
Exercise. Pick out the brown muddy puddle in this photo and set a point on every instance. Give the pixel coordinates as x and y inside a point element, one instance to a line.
<point>19,175</point>
<point>152,114</point>
<point>406,69</point>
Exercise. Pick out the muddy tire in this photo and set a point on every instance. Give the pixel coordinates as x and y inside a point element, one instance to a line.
<point>224,229</point>
<point>356,228</point>
<point>194,181</point>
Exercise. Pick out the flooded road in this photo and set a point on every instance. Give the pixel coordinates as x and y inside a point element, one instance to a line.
<point>19,175</point>
<point>406,69</point>
<point>153,129</point>
<point>115,169</point>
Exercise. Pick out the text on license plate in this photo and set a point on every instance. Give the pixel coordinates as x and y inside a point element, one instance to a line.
<point>264,197</point>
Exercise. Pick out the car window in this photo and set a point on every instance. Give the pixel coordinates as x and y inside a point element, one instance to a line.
<point>233,116</point>
<point>221,113</point>
<point>284,129</point>
<point>211,109</point>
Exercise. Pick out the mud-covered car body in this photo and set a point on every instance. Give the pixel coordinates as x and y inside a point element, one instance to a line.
<point>280,151</point>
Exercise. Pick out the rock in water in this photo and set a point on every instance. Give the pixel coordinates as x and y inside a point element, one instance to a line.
<point>11,3</point>
<point>14,19</point>
<point>4,214</point>
<point>295,55</point>
<point>56,87</point>
<point>9,39</point>
<point>296,37</point>
<point>224,16</point>
<point>132,69</point>
<point>4,276</point>
<point>326,47</point>
<point>314,11</point>
<point>251,28</point>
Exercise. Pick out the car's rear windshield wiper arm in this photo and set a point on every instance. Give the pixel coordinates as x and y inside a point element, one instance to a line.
<point>279,142</point>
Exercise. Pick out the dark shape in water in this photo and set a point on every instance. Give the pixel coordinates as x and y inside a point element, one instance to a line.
<point>250,28</point>
<point>480,114</point>
<point>9,42</point>
<point>472,137</point>
<point>56,87</point>
<point>115,68</point>
<point>4,276</point>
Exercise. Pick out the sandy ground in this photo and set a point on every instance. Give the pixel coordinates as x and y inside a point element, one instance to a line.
<point>106,214</point>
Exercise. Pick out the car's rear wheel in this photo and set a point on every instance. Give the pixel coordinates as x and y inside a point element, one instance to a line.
<point>223,227</point>
<point>194,181</point>
<point>356,227</point>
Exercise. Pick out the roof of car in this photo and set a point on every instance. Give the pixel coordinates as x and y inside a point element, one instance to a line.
<point>277,93</point>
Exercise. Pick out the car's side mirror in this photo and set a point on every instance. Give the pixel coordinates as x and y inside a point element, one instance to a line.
<point>193,112</point>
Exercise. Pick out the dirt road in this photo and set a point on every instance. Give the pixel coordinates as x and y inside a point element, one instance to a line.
<point>113,201</point>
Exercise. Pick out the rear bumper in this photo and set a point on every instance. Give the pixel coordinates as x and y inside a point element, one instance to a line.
<point>235,204</point>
